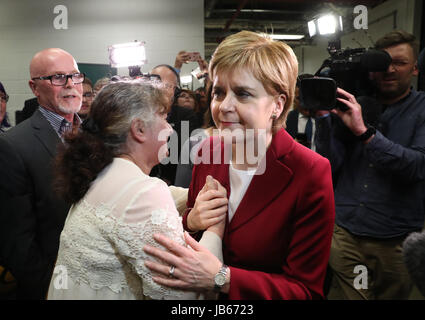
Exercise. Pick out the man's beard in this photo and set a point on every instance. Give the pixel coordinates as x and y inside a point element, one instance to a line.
<point>393,93</point>
<point>70,106</point>
<point>69,109</point>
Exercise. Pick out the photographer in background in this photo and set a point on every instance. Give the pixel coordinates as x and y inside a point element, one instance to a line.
<point>380,177</point>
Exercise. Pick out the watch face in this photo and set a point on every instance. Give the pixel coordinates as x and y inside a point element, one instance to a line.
<point>220,279</point>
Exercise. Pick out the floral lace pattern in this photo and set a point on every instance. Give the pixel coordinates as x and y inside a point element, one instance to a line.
<point>101,250</point>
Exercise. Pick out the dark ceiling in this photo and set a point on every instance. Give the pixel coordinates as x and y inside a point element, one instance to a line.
<point>224,17</point>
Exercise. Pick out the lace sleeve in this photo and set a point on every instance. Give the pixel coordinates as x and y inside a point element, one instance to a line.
<point>151,211</point>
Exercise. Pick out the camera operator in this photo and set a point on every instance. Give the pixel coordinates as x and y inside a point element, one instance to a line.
<point>380,177</point>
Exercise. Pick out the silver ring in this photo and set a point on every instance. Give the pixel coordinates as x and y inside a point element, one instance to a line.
<point>171,272</point>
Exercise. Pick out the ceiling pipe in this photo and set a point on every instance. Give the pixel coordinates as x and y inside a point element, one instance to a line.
<point>268,11</point>
<point>210,7</point>
<point>242,4</point>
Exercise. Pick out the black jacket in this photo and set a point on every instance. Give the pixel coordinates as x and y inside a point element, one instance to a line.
<point>176,118</point>
<point>31,215</point>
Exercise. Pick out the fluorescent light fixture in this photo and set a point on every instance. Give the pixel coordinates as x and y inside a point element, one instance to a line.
<point>312,28</point>
<point>287,36</point>
<point>127,54</point>
<point>186,79</point>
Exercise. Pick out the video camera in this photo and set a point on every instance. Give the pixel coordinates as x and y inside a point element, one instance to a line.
<point>345,68</point>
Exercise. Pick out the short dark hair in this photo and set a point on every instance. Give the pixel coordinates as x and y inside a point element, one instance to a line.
<point>197,106</point>
<point>398,37</point>
<point>88,81</point>
<point>172,70</point>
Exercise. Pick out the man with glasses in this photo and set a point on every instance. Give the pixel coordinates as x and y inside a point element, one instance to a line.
<point>380,177</point>
<point>31,216</point>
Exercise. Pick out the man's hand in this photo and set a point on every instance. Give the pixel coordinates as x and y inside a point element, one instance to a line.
<point>352,118</point>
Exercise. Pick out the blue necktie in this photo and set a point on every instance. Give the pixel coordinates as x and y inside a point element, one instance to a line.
<point>309,129</point>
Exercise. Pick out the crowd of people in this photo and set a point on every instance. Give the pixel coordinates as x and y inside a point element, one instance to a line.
<point>141,189</point>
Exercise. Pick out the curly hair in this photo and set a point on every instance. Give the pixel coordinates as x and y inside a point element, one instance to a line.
<point>104,134</point>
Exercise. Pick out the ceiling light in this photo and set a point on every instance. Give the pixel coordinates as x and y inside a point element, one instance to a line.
<point>287,36</point>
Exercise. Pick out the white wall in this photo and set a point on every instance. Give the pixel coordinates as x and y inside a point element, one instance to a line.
<point>381,21</point>
<point>26,27</point>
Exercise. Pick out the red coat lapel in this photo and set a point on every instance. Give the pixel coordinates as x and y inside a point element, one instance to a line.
<point>264,188</point>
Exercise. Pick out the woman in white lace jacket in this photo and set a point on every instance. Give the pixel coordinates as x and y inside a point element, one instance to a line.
<point>117,207</point>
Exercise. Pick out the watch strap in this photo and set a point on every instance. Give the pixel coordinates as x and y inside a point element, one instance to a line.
<point>367,134</point>
<point>223,272</point>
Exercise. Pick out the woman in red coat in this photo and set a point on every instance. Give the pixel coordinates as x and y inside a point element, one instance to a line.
<point>281,208</point>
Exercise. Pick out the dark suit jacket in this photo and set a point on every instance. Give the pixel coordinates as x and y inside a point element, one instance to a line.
<point>31,216</point>
<point>292,123</point>
<point>31,105</point>
<point>182,132</point>
<point>292,128</point>
<point>277,245</point>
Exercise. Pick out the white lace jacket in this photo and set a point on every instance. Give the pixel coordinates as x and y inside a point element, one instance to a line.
<point>100,253</point>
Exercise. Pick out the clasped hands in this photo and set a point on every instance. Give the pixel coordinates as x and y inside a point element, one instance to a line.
<point>194,266</point>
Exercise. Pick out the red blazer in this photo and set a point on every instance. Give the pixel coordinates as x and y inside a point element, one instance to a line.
<point>278,242</point>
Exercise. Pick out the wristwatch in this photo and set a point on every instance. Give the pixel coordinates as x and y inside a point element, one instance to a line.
<point>220,278</point>
<point>367,134</point>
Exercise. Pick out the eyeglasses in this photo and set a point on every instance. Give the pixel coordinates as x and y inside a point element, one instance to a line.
<point>153,77</point>
<point>157,77</point>
<point>62,79</point>
<point>5,97</point>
